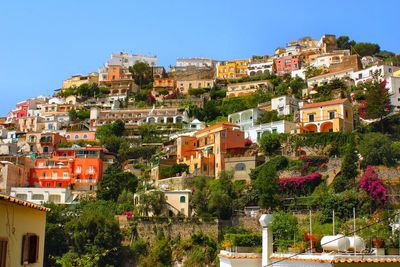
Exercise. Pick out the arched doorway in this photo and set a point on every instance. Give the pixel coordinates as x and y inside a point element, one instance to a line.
<point>326,127</point>
<point>311,128</point>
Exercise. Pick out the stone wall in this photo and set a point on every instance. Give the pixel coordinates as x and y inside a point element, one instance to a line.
<point>147,230</point>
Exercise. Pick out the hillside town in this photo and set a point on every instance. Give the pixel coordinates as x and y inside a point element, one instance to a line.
<point>285,159</point>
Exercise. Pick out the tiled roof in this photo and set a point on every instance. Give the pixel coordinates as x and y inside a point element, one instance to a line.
<point>23,203</point>
<point>325,103</point>
<point>215,126</point>
<point>329,73</point>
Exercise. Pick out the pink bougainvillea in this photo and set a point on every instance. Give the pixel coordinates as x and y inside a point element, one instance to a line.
<point>296,186</point>
<point>248,142</point>
<point>373,186</point>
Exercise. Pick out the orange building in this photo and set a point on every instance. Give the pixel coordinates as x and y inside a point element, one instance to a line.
<point>117,72</point>
<point>204,153</point>
<point>79,168</point>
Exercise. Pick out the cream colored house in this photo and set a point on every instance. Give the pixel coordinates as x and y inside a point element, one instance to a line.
<point>22,232</point>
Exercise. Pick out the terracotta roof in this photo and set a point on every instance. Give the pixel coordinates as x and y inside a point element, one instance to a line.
<point>329,73</point>
<point>219,124</point>
<point>23,203</point>
<point>325,103</point>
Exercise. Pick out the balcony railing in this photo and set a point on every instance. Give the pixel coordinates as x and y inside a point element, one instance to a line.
<point>55,178</point>
<point>321,118</point>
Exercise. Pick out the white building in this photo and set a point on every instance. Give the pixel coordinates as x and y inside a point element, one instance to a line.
<point>259,68</point>
<point>246,118</point>
<point>195,63</point>
<point>327,77</point>
<point>298,73</point>
<point>255,133</point>
<point>285,105</point>
<point>42,195</point>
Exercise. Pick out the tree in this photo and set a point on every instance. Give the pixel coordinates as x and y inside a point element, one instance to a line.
<point>269,116</point>
<point>343,42</point>
<point>376,149</point>
<point>267,187</point>
<point>95,235</point>
<point>285,229</point>
<point>366,49</point>
<point>114,181</point>
<point>270,143</point>
<point>141,73</point>
<point>152,201</point>
<point>377,105</point>
<point>116,128</point>
<point>349,170</point>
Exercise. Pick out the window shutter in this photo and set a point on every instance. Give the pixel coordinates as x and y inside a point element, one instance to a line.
<point>3,252</point>
<point>25,250</point>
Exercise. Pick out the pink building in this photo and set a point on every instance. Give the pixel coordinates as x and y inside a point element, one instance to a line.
<point>286,64</point>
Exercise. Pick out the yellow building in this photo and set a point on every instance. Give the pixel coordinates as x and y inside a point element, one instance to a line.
<point>22,232</point>
<point>328,116</point>
<point>233,69</point>
<point>77,80</point>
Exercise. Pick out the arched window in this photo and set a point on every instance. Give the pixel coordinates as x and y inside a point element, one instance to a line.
<point>182,199</point>
<point>85,136</point>
<point>240,167</point>
<point>76,137</point>
<point>68,137</point>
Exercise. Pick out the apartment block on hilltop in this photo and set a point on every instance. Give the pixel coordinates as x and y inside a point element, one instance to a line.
<point>194,63</point>
<point>328,116</point>
<point>204,152</point>
<point>232,69</point>
<point>287,64</point>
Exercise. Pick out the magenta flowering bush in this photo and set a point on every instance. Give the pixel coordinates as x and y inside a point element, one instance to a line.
<point>313,161</point>
<point>374,187</point>
<point>302,185</point>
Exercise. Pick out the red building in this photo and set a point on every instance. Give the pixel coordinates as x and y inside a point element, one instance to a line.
<point>79,168</point>
<point>287,64</point>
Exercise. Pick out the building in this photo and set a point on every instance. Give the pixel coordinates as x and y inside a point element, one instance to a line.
<point>78,80</point>
<point>136,117</point>
<point>254,133</point>
<point>80,136</point>
<point>78,167</point>
<point>327,77</point>
<point>326,60</point>
<point>285,105</point>
<point>43,195</point>
<point>124,60</point>
<point>247,88</point>
<point>196,63</point>
<point>183,86</point>
<point>22,232</point>
<point>242,165</point>
<point>260,68</point>
<point>328,116</point>
<point>204,152</point>
<point>178,201</point>
<point>12,175</point>
<point>381,72</point>
<point>232,69</point>
<point>287,64</point>
<point>246,118</point>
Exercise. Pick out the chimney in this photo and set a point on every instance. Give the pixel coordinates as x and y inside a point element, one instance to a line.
<point>266,221</point>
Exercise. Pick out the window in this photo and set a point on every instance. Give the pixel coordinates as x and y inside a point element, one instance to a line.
<point>44,174</point>
<point>30,249</point>
<point>360,76</point>
<point>78,169</point>
<point>3,251</point>
<point>182,199</point>
<point>37,197</point>
<point>65,174</point>
<point>205,168</point>
<point>85,136</point>
<point>76,137</point>
<point>331,115</point>
<point>59,184</point>
<point>91,169</point>
<point>45,149</point>
<point>311,117</point>
<point>346,114</point>
<point>54,198</point>
<point>22,196</point>
<point>68,137</point>
<point>240,167</point>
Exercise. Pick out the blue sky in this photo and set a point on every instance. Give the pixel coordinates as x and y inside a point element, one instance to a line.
<point>44,42</point>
